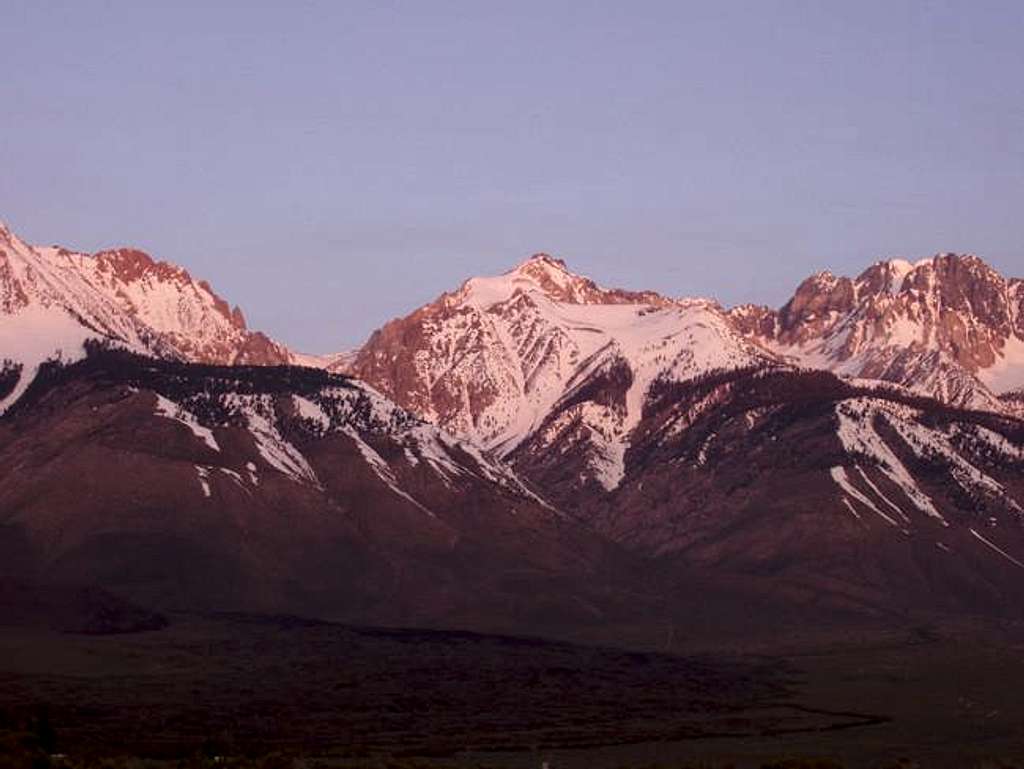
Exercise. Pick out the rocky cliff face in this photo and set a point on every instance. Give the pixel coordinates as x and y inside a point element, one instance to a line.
<point>185,312</point>
<point>950,326</point>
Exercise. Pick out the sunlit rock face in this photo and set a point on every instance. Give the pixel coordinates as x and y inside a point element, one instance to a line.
<point>949,326</point>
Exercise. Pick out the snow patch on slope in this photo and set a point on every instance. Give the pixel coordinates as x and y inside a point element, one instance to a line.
<point>859,438</point>
<point>310,411</point>
<point>275,450</point>
<point>1007,374</point>
<point>171,410</point>
<point>843,481</point>
<point>674,343</point>
<point>203,473</point>
<point>34,335</point>
<point>857,433</point>
<point>989,543</point>
<point>383,470</point>
<point>880,495</point>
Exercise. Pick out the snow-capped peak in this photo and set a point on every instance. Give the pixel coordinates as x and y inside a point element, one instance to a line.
<point>543,267</point>
<point>550,277</point>
<point>949,326</point>
<point>542,258</point>
<point>494,360</point>
<point>541,273</point>
<point>54,300</point>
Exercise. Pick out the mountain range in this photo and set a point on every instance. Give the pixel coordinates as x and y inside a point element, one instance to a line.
<point>531,451</point>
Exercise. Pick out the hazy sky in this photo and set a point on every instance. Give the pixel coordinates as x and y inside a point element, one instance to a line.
<point>328,165</point>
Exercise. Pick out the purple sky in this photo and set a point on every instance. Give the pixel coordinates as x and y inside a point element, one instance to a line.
<point>328,165</point>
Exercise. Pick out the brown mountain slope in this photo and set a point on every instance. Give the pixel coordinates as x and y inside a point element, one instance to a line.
<point>278,489</point>
<point>812,489</point>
